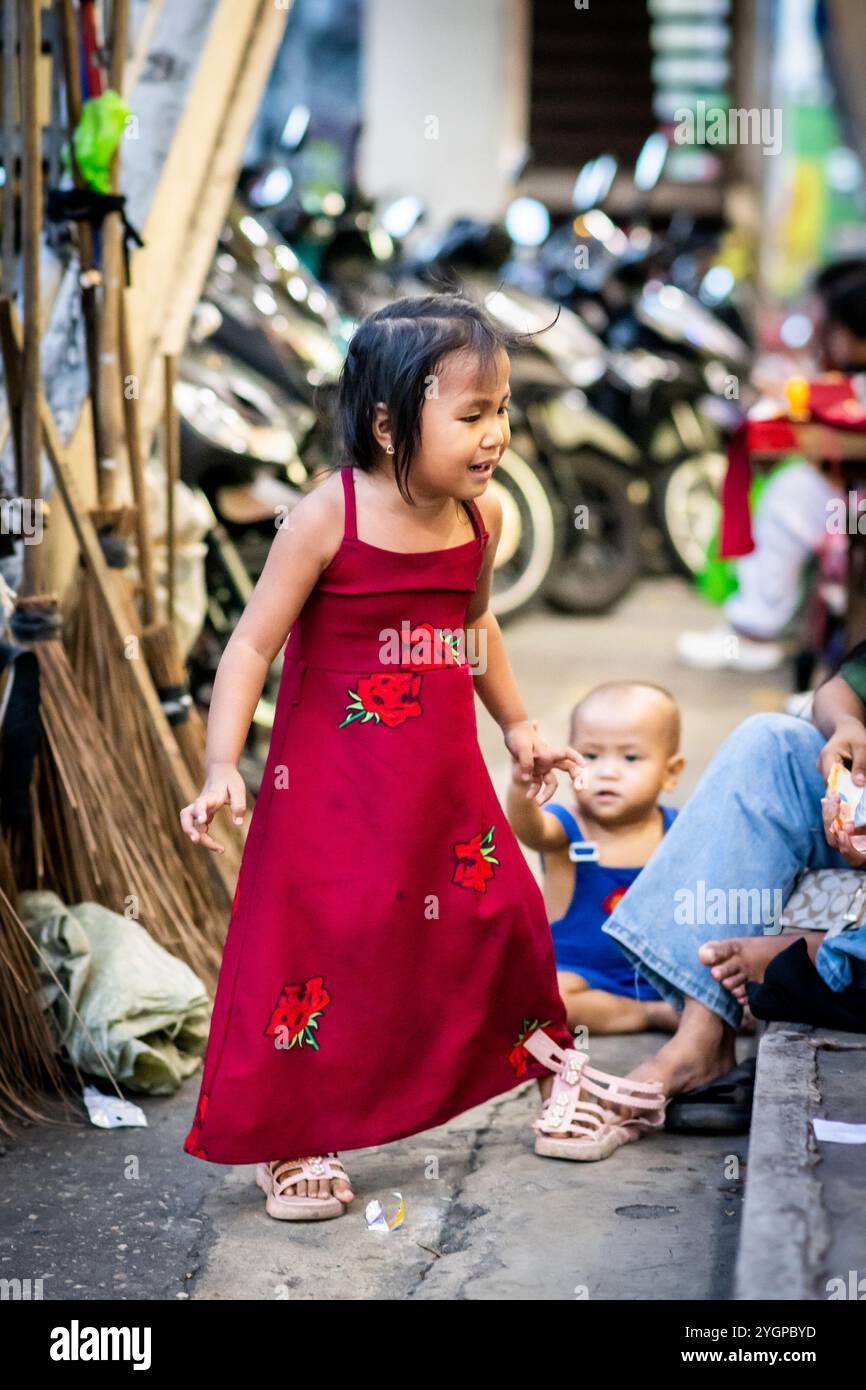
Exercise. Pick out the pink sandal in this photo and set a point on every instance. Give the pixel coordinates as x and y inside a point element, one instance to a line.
<point>592,1131</point>
<point>275,1177</point>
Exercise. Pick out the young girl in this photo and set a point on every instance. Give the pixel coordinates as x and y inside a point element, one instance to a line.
<point>388,962</point>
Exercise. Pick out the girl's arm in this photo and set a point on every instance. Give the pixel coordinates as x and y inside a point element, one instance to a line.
<point>303,545</point>
<point>495,683</point>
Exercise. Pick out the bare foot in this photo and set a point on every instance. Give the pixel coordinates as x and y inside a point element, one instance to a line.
<point>701,1050</point>
<point>324,1187</point>
<point>736,959</point>
<point>662,1016</point>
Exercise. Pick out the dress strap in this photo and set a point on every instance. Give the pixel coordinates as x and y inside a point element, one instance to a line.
<point>350,526</point>
<point>477,519</point>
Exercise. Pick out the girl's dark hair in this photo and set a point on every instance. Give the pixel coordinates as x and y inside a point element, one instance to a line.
<point>394,355</point>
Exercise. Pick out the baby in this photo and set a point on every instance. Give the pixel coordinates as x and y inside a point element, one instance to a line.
<point>628,733</point>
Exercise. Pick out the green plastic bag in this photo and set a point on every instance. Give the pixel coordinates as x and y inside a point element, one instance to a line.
<point>717,580</point>
<point>98,135</point>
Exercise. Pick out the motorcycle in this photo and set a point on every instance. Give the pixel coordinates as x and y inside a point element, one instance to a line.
<point>291,332</point>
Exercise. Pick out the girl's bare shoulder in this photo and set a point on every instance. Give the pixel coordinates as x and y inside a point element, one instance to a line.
<point>319,517</point>
<point>491,511</point>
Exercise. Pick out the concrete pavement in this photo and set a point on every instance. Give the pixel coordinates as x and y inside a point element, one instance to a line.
<point>125,1214</point>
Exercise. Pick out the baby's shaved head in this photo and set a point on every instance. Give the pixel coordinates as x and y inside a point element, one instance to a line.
<point>641,702</point>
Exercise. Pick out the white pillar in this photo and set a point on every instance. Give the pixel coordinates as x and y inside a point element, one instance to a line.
<point>444,97</point>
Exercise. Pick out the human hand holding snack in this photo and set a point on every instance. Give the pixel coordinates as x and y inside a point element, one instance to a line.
<point>846,745</point>
<point>844,813</point>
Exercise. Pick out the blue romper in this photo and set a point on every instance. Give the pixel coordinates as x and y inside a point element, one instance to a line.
<point>579,943</point>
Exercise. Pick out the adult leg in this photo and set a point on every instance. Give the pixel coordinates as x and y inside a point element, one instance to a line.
<point>790,523</point>
<point>753,823</point>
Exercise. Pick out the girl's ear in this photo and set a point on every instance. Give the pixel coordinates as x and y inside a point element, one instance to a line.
<point>381,425</point>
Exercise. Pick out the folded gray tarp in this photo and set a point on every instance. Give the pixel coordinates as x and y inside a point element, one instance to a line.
<point>146,1011</point>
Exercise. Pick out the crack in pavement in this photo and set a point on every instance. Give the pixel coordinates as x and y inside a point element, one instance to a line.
<point>455,1233</point>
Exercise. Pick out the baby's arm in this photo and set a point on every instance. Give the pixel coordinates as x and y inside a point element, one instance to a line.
<point>535,828</point>
<point>303,545</point>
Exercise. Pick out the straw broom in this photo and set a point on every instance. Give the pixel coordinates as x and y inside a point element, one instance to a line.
<point>29,1061</point>
<point>33,1061</point>
<point>159,640</point>
<point>101,665</point>
<point>93,834</point>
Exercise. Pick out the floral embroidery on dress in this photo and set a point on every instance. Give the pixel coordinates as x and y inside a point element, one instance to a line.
<point>297,1012</point>
<point>518,1056</point>
<point>434,647</point>
<point>388,697</point>
<point>475,862</point>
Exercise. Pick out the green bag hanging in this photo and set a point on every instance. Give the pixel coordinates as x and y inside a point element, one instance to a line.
<point>97,136</point>
<point>717,580</point>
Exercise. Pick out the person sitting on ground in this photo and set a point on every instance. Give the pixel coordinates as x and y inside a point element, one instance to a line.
<point>791,515</point>
<point>758,817</point>
<point>628,733</point>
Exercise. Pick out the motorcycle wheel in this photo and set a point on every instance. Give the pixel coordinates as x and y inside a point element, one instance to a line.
<point>687,500</point>
<point>602,544</point>
<point>530,543</point>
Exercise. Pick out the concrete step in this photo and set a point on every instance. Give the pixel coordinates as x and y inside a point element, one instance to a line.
<point>804,1220</point>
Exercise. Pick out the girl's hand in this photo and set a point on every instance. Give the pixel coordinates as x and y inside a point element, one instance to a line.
<point>840,839</point>
<point>847,745</point>
<point>223,785</point>
<point>534,761</point>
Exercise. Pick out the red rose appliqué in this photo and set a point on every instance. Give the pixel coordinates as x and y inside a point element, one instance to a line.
<point>297,1012</point>
<point>518,1056</point>
<point>388,697</point>
<point>475,862</point>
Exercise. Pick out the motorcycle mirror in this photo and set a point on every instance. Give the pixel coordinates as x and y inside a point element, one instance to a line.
<point>527,222</point>
<point>398,218</point>
<point>296,128</point>
<point>651,161</point>
<point>206,320</point>
<point>271,188</point>
<point>593,183</point>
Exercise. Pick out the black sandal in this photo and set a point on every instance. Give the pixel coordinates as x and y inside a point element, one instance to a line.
<point>723,1106</point>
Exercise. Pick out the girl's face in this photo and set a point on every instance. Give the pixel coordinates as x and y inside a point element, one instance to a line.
<point>464,427</point>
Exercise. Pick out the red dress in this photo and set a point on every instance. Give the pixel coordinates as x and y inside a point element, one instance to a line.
<point>388,948</point>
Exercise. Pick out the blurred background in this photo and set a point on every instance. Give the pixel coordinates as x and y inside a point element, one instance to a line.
<point>674,186</point>
<point>199,200</point>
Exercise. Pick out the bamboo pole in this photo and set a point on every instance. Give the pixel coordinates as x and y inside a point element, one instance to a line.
<point>10,142</point>
<point>89,276</point>
<point>172,472</point>
<point>29,21</point>
<point>112,285</point>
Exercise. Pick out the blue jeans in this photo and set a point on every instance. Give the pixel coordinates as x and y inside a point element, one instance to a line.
<point>753,824</point>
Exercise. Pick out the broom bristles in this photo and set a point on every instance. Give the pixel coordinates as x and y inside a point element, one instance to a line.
<point>99,838</point>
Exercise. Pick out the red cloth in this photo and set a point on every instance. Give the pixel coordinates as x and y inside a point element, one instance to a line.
<point>735,531</point>
<point>385,917</point>
<point>831,402</point>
